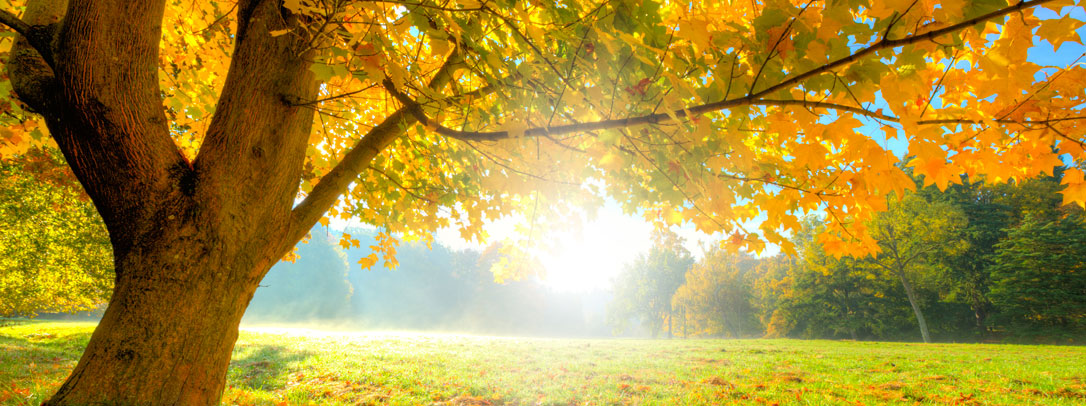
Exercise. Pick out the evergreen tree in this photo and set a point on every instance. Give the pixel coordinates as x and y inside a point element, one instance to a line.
<point>1039,280</point>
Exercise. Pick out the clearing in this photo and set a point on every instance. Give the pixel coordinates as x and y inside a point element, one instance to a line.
<point>297,367</point>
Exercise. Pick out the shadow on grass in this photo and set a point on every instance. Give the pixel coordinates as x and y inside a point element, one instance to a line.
<point>25,346</point>
<point>263,366</point>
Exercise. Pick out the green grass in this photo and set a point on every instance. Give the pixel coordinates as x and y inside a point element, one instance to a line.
<point>296,367</point>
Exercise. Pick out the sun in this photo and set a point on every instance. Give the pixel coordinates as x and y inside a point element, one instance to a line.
<point>589,257</point>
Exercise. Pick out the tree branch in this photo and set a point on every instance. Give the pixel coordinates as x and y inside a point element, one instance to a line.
<point>333,184</point>
<point>752,99</point>
<point>893,43</point>
<point>38,36</point>
<point>415,109</point>
<point>14,23</point>
<point>399,185</point>
<point>773,50</point>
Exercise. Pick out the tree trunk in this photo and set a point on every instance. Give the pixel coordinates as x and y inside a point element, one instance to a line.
<point>684,323</point>
<point>980,313</point>
<point>191,240</point>
<point>733,328</point>
<point>916,307</point>
<point>167,335</point>
<point>669,335</point>
<point>981,317</point>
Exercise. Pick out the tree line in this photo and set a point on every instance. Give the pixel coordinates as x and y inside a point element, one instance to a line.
<point>974,262</point>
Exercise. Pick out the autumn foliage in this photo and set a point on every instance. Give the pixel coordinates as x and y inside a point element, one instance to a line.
<point>211,136</point>
<point>708,112</point>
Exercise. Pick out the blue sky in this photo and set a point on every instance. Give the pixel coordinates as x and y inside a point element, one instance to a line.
<point>588,258</point>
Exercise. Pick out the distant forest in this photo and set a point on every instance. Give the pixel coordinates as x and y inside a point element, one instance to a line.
<point>971,263</point>
<point>431,289</point>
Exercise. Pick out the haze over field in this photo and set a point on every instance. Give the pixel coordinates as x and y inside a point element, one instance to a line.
<point>432,290</point>
<point>965,264</point>
<point>863,171</point>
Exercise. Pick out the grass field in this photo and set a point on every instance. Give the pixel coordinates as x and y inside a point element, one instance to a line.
<point>298,367</point>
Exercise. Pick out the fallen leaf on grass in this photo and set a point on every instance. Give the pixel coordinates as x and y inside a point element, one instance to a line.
<point>330,386</point>
<point>892,386</point>
<point>888,395</point>
<point>789,376</point>
<point>965,399</point>
<point>716,380</point>
<point>464,400</point>
<point>712,361</point>
<point>630,389</point>
<point>1069,393</point>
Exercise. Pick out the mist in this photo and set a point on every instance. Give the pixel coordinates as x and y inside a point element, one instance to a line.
<point>432,290</point>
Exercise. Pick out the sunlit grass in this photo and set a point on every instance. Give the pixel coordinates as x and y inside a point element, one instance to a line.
<point>284,366</point>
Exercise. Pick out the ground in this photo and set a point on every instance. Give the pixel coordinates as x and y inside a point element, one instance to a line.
<point>300,367</point>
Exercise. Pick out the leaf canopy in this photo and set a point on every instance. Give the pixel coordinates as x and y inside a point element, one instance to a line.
<point>713,113</point>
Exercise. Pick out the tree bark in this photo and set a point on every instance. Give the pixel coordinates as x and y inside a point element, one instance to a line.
<point>167,335</point>
<point>916,307</point>
<point>190,241</point>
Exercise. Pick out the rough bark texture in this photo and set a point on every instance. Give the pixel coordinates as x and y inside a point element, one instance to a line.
<point>191,240</point>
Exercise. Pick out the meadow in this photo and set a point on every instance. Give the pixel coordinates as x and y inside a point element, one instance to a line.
<point>281,366</point>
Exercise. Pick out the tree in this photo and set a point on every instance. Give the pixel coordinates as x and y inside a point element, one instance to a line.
<point>54,254</point>
<point>823,296</point>
<point>644,289</point>
<point>987,217</point>
<point>771,283</point>
<point>1037,282</point>
<point>913,234</point>
<point>716,295</point>
<point>991,211</point>
<point>211,136</point>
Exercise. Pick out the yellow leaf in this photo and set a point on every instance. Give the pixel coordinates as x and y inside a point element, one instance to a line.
<point>1075,190</point>
<point>276,33</point>
<point>1058,31</point>
<point>440,46</point>
<point>515,129</point>
<point>295,6</point>
<point>674,217</point>
<point>882,8</point>
<point>780,40</point>
<point>697,32</point>
<point>367,262</point>
<point>818,52</point>
<point>950,10</point>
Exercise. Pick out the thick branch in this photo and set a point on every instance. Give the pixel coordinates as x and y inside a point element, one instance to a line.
<point>333,184</point>
<point>415,109</point>
<point>31,63</point>
<point>14,23</point>
<point>103,107</point>
<point>751,99</point>
<point>251,159</point>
